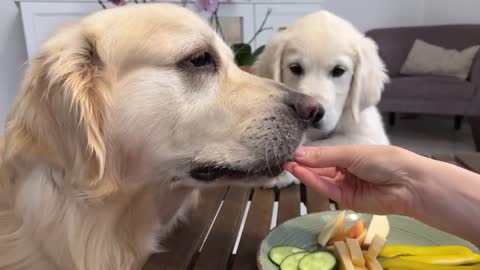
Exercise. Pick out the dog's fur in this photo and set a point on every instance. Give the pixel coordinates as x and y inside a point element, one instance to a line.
<point>319,42</point>
<point>115,114</point>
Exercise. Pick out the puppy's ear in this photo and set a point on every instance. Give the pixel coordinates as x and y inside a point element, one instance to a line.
<point>369,77</point>
<point>60,115</point>
<point>269,63</point>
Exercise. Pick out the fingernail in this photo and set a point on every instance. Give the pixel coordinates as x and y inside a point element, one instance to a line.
<point>300,152</point>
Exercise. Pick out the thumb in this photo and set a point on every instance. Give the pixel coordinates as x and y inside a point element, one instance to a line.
<point>329,156</point>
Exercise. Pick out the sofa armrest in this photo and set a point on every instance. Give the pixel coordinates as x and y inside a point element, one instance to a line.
<point>475,79</point>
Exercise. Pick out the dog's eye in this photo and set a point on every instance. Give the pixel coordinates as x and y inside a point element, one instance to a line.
<point>337,71</point>
<point>296,69</point>
<point>202,60</point>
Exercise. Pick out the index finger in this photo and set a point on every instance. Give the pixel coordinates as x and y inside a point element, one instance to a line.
<point>327,172</point>
<point>327,156</point>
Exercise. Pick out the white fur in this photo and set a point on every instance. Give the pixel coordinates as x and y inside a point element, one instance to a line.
<point>113,117</point>
<point>319,42</point>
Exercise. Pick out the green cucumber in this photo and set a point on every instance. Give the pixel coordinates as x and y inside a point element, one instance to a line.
<point>278,254</point>
<point>321,260</point>
<point>291,262</point>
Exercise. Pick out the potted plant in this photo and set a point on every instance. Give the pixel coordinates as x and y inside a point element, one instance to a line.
<point>245,57</point>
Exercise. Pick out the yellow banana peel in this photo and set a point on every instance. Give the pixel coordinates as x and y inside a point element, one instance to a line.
<point>399,264</point>
<point>406,250</point>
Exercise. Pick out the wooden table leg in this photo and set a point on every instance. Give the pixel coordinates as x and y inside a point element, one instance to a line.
<point>475,126</point>
<point>458,119</point>
<point>391,118</point>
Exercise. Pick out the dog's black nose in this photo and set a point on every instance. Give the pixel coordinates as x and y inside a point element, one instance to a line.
<point>319,115</point>
<point>306,107</point>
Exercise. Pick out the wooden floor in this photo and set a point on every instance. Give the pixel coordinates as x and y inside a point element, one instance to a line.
<point>207,242</point>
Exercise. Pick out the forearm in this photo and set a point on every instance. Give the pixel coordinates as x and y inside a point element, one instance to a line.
<point>449,199</point>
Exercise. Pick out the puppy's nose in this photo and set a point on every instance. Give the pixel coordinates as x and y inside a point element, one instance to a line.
<point>319,115</point>
<point>306,107</point>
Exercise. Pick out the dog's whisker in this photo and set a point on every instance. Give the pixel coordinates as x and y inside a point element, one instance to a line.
<point>249,171</point>
<point>276,157</point>
<point>266,159</point>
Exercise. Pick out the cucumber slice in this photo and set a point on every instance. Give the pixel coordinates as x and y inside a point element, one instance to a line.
<point>318,261</point>
<point>291,262</point>
<point>278,254</point>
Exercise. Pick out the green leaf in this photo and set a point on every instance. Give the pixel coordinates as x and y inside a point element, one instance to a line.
<point>258,51</point>
<point>243,54</point>
<point>243,47</point>
<point>247,60</point>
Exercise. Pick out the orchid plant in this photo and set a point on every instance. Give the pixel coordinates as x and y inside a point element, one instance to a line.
<point>244,56</point>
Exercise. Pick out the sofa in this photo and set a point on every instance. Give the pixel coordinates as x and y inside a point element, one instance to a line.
<point>430,94</point>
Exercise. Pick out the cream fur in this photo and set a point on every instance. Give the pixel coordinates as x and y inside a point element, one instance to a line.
<point>113,116</point>
<point>319,42</point>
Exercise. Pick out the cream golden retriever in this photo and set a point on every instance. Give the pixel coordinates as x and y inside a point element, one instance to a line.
<point>324,56</point>
<point>121,118</point>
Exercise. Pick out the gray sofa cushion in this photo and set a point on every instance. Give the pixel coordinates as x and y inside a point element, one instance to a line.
<point>395,43</point>
<point>429,87</point>
<point>428,59</point>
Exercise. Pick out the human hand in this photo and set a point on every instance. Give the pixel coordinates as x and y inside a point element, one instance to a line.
<point>390,180</point>
<point>365,178</point>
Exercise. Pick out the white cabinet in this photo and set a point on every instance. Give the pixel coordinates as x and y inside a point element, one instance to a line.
<point>42,18</point>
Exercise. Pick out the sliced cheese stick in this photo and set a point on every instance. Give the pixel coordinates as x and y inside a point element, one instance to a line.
<point>372,264</point>
<point>375,247</point>
<point>355,252</point>
<point>343,255</point>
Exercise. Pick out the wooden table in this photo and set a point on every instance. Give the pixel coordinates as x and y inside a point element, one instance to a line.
<point>206,243</point>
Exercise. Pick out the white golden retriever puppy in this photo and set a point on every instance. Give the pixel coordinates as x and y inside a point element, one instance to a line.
<point>324,56</point>
<point>121,118</point>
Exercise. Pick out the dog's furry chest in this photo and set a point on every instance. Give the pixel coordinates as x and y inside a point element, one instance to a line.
<point>48,230</point>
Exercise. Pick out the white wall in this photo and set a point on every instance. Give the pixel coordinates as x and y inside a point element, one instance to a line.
<point>374,13</point>
<point>12,56</point>
<point>378,13</point>
<point>365,14</point>
<point>452,11</point>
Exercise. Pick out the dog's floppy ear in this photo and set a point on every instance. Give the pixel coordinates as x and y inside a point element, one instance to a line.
<point>269,63</point>
<point>369,77</point>
<point>60,115</point>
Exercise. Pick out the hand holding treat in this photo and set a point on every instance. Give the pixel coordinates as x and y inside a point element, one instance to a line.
<point>384,179</point>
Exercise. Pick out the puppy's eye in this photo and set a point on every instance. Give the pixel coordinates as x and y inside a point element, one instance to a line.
<point>337,71</point>
<point>296,69</point>
<point>204,59</point>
